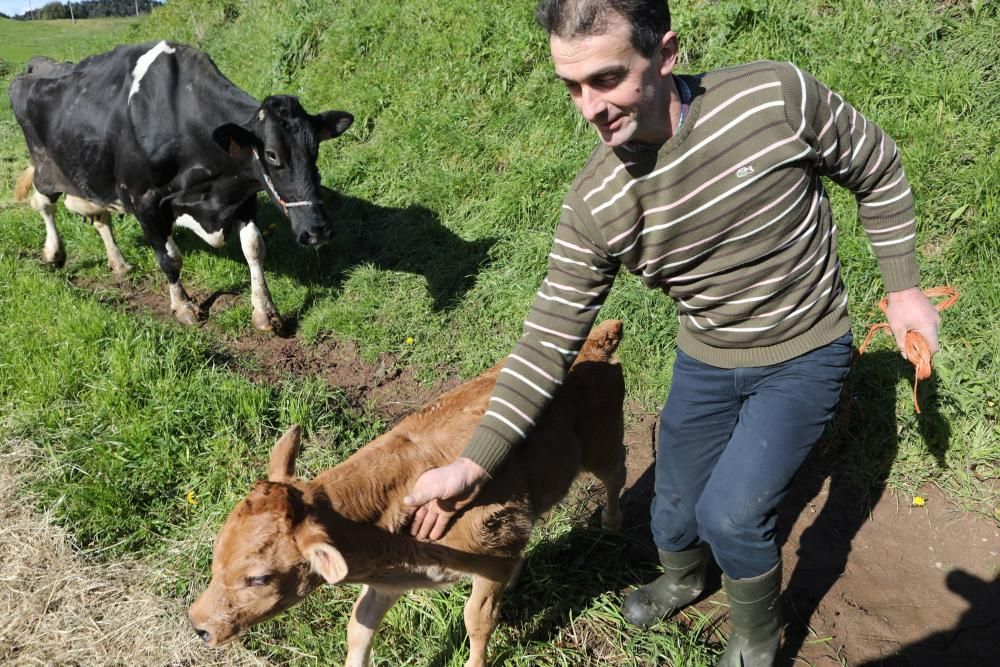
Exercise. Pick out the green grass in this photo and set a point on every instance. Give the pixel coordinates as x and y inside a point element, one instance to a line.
<point>23,39</point>
<point>450,183</point>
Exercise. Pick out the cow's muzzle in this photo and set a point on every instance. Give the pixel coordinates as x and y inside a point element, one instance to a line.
<point>314,236</point>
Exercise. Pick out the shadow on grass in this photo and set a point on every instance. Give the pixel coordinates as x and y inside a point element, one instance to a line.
<point>411,240</point>
<point>856,457</point>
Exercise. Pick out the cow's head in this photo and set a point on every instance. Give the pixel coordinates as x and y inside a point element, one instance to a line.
<point>270,553</point>
<point>282,140</point>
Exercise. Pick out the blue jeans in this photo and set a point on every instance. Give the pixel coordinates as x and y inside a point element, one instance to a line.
<point>730,442</point>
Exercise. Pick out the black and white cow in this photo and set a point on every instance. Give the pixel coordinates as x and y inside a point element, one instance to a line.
<point>157,131</point>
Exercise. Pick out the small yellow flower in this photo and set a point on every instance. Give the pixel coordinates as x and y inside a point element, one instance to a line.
<point>409,340</point>
<point>191,498</point>
<point>919,501</point>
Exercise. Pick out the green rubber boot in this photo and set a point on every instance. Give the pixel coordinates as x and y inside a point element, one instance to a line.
<point>755,609</point>
<point>681,583</point>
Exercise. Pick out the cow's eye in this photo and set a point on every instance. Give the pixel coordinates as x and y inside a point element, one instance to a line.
<point>259,580</point>
<point>272,157</point>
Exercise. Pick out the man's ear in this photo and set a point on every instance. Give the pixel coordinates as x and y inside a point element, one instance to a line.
<point>325,559</point>
<point>234,139</point>
<point>668,50</point>
<point>330,124</point>
<point>283,455</point>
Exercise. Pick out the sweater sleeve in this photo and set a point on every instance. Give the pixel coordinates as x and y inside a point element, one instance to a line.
<point>855,153</point>
<point>580,275</point>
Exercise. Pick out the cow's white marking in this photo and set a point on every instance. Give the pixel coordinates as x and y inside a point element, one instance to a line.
<point>52,251</point>
<point>173,252</point>
<point>215,239</point>
<point>142,65</point>
<point>254,250</point>
<point>89,209</point>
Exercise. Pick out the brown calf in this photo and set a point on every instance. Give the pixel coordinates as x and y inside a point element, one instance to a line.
<point>347,525</point>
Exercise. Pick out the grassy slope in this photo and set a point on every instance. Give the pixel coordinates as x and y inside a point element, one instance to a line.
<point>463,143</point>
<point>21,40</point>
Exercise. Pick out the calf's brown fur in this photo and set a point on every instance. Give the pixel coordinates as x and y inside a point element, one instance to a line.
<point>348,524</point>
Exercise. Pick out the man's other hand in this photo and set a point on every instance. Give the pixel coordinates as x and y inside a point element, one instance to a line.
<point>440,493</point>
<point>910,310</point>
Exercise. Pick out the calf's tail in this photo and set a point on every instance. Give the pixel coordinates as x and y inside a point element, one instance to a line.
<point>602,341</point>
<point>23,187</point>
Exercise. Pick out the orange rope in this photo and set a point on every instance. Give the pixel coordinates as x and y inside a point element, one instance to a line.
<point>917,350</point>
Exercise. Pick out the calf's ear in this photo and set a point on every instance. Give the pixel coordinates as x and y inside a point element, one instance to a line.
<point>283,455</point>
<point>326,559</point>
<point>330,124</point>
<point>327,562</point>
<point>234,139</point>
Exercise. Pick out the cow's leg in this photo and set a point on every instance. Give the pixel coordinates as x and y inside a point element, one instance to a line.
<point>116,262</point>
<point>482,611</point>
<point>53,252</point>
<point>157,233</point>
<point>369,610</point>
<point>265,315</point>
<point>170,262</point>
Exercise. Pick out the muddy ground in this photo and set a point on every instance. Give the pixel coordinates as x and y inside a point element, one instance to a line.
<point>869,578</point>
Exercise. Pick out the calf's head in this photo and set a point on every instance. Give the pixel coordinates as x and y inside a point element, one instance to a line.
<point>271,553</point>
<point>283,141</point>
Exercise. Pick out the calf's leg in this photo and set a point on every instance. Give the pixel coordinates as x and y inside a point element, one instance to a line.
<point>369,610</point>
<point>613,481</point>
<point>53,252</point>
<point>482,611</point>
<point>265,315</point>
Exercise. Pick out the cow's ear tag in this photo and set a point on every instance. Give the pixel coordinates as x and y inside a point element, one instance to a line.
<point>260,115</point>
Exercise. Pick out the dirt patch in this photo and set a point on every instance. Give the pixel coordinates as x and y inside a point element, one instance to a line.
<point>874,582</point>
<point>57,608</point>
<point>888,583</point>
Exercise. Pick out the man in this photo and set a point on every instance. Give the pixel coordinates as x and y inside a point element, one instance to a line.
<point>707,187</point>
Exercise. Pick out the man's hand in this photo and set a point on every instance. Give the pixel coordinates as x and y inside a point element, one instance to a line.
<point>440,493</point>
<point>910,310</point>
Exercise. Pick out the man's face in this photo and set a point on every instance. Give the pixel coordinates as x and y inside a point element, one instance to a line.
<point>623,94</point>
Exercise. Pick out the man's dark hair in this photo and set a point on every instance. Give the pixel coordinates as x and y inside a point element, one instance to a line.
<point>650,19</point>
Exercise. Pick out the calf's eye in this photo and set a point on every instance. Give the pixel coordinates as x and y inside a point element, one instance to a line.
<point>272,157</point>
<point>260,580</point>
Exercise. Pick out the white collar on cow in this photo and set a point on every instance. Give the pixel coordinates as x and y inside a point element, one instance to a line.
<point>270,186</point>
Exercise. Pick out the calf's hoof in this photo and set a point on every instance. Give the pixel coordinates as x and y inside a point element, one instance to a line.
<point>611,521</point>
<point>186,314</point>
<point>267,321</point>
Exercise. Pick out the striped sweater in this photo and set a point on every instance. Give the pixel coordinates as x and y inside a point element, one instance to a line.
<point>729,217</point>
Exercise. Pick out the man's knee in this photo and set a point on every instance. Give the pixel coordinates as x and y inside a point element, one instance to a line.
<point>673,524</point>
<point>724,522</point>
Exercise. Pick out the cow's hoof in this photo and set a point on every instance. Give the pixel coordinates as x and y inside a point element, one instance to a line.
<point>121,271</point>
<point>267,321</point>
<point>54,258</point>
<point>186,314</point>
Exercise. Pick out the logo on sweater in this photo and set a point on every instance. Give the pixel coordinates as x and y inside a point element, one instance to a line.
<point>744,171</point>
